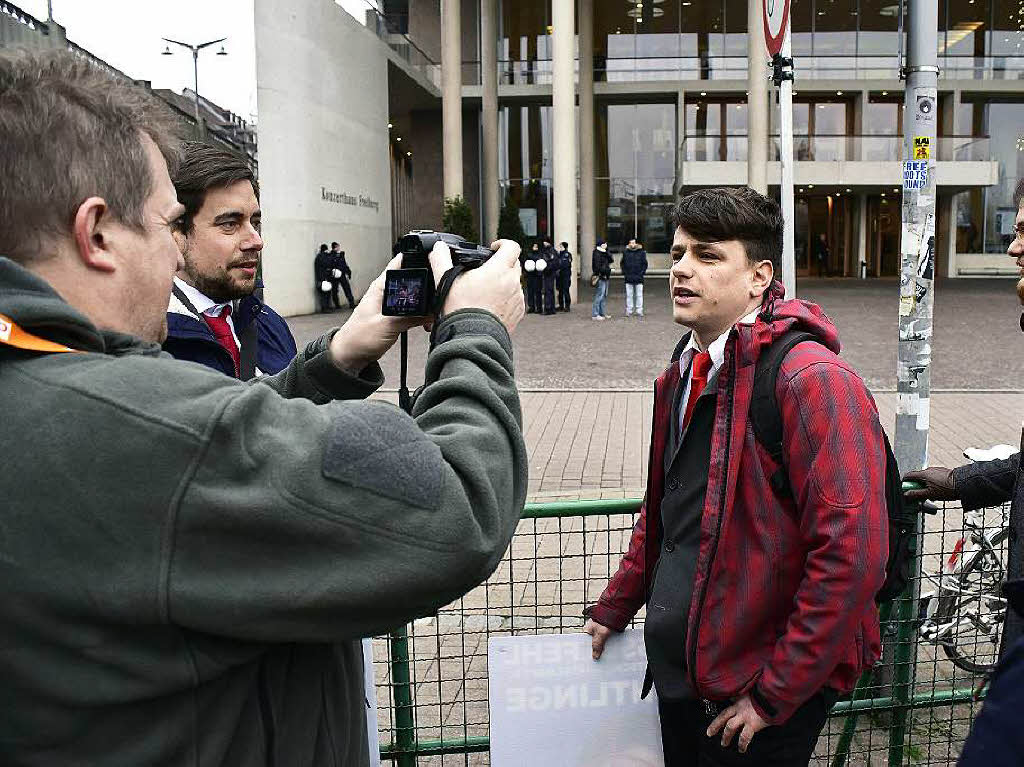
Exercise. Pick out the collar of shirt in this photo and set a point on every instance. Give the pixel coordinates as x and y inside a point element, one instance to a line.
<point>716,349</point>
<point>202,303</point>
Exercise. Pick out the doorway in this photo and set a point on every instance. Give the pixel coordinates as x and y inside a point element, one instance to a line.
<point>883,235</point>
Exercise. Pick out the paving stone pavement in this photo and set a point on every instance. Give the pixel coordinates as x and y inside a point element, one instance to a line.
<point>978,343</point>
<point>587,400</point>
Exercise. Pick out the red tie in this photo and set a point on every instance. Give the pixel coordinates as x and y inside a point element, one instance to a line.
<point>698,380</point>
<point>221,329</point>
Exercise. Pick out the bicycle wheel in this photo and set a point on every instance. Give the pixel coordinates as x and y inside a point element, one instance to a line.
<point>974,612</point>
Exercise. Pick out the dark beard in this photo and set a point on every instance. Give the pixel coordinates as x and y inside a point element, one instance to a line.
<point>219,288</point>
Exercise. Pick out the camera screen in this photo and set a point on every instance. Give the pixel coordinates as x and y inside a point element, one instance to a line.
<point>404,294</point>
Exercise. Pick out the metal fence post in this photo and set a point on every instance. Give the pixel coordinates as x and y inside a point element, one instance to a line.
<point>401,691</point>
<point>905,652</point>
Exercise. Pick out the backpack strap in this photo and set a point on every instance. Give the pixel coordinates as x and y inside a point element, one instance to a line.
<point>765,415</point>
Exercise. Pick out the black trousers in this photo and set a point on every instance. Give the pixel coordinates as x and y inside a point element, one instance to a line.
<point>564,302</point>
<point>534,290</point>
<point>324,299</point>
<point>684,737</point>
<point>549,295</point>
<point>343,282</point>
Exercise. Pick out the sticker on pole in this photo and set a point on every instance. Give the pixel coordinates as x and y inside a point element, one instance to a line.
<point>776,20</point>
<point>552,704</point>
<point>922,147</point>
<point>915,175</point>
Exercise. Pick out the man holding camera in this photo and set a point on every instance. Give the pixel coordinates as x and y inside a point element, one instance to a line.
<point>189,561</point>
<point>759,573</point>
<point>214,316</point>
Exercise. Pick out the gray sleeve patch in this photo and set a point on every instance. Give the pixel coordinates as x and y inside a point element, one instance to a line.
<point>377,447</point>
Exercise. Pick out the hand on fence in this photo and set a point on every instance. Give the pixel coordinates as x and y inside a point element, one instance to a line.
<point>742,718</point>
<point>598,636</point>
<point>937,481</point>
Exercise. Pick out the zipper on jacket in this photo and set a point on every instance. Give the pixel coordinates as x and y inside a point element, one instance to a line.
<point>266,713</point>
<point>718,529</point>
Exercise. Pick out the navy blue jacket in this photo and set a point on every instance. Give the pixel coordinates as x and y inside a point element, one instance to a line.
<point>997,738</point>
<point>190,338</point>
<point>633,265</point>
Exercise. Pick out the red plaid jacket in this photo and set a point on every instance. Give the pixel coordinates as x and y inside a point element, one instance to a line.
<point>783,599</point>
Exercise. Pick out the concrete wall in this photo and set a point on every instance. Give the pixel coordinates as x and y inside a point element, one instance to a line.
<point>322,95</point>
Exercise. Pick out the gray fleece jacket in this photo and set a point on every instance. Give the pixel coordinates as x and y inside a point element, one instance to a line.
<point>189,561</point>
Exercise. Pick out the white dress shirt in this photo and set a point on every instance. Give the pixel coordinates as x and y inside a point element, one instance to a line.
<point>206,305</point>
<point>716,350</point>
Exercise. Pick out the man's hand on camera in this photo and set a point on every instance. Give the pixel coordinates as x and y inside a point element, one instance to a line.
<point>368,334</point>
<point>494,286</point>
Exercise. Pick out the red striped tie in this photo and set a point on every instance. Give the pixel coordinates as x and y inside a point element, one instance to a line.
<point>222,331</point>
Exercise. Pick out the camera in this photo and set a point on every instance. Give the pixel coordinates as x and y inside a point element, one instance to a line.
<point>409,291</point>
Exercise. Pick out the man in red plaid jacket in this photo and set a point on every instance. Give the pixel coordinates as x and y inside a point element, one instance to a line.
<point>760,597</point>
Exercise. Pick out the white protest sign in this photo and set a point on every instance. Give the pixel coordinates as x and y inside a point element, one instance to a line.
<point>552,704</point>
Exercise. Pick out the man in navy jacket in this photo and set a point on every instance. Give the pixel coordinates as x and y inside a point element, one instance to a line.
<point>215,316</point>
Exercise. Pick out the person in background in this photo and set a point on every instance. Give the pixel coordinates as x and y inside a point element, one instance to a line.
<point>564,278</point>
<point>601,266</point>
<point>534,279</point>
<point>341,274</point>
<point>549,276</point>
<point>322,282</point>
<point>215,316</point>
<point>634,267</point>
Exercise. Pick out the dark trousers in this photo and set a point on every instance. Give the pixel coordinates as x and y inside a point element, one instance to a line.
<point>564,302</point>
<point>549,295</point>
<point>534,287</point>
<point>324,299</point>
<point>343,282</point>
<point>684,737</point>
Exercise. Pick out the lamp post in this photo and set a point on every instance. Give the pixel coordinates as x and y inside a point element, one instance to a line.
<point>200,131</point>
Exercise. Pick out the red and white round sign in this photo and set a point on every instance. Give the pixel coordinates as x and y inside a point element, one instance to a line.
<point>776,20</point>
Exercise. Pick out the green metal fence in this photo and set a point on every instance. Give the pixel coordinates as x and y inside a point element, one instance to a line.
<point>915,708</point>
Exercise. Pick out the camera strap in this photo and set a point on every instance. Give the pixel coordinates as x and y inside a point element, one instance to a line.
<point>444,287</point>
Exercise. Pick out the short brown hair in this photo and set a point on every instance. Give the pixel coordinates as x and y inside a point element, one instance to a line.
<point>1018,193</point>
<point>70,131</point>
<point>718,214</point>
<point>204,167</point>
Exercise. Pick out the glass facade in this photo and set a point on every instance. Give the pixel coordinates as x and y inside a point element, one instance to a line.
<point>706,39</point>
<point>640,145</point>
<point>984,217</point>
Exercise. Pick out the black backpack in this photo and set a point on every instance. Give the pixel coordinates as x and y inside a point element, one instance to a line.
<point>766,419</point>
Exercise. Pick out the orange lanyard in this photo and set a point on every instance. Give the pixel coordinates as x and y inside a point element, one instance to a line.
<point>12,335</point>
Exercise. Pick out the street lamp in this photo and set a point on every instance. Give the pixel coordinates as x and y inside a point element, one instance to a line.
<point>195,68</point>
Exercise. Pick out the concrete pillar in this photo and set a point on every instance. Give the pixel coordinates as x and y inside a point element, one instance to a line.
<point>563,131</point>
<point>588,184</point>
<point>861,253</point>
<point>451,96</point>
<point>757,101</point>
<point>490,204</point>
<point>677,188</point>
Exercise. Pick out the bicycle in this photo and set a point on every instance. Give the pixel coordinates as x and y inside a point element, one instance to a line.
<point>964,614</point>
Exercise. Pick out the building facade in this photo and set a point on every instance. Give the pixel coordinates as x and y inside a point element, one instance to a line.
<point>670,83</point>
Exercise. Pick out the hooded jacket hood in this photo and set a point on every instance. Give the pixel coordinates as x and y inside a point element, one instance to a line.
<point>37,308</point>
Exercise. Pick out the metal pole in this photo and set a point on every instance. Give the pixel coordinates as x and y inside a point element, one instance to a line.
<point>917,281</point>
<point>757,101</point>
<point>195,91</point>
<point>401,692</point>
<point>786,187</point>
<point>917,243</point>
<point>563,117</point>
<point>490,204</point>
